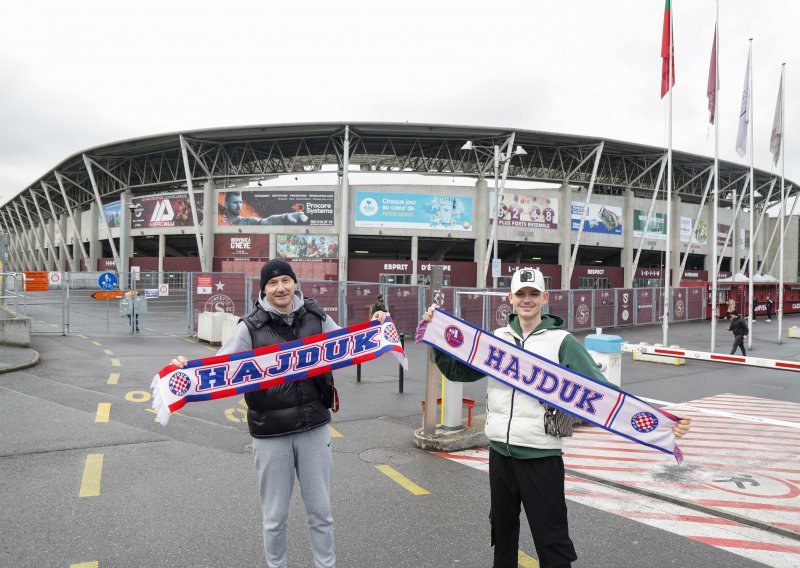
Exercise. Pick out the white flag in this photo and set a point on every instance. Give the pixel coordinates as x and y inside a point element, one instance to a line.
<point>776,138</point>
<point>744,112</point>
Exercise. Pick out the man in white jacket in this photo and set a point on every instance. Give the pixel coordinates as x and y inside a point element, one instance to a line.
<point>525,463</point>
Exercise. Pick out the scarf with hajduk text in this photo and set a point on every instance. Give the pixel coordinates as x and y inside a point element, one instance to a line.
<point>222,376</point>
<point>576,394</point>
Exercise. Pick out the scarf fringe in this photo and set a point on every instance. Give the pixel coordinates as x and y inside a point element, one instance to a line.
<point>159,405</point>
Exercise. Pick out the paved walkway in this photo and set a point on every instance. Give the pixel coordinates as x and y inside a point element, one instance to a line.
<point>15,358</point>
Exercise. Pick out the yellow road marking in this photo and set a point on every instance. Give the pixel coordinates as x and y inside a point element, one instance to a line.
<point>83,337</point>
<point>526,561</point>
<point>97,343</point>
<point>53,325</point>
<point>137,396</point>
<point>214,349</point>
<point>189,340</point>
<point>85,565</point>
<point>108,351</point>
<point>92,472</point>
<point>113,378</point>
<point>115,363</point>
<point>335,433</point>
<point>171,414</point>
<point>103,412</point>
<point>401,480</point>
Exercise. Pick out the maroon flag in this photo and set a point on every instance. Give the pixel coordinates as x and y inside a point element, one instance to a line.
<point>713,73</point>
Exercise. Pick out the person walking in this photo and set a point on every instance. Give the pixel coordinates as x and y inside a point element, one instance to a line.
<point>740,331</point>
<point>288,422</point>
<point>755,305</point>
<point>731,306</point>
<point>525,463</point>
<point>770,307</point>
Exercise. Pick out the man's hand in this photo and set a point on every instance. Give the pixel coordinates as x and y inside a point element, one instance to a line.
<point>380,316</point>
<point>682,427</point>
<point>428,315</point>
<point>180,361</point>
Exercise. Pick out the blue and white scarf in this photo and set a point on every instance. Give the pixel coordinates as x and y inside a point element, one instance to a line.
<point>588,399</point>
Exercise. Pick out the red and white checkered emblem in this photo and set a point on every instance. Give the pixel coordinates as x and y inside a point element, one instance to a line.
<point>179,384</point>
<point>390,333</point>
<point>644,422</point>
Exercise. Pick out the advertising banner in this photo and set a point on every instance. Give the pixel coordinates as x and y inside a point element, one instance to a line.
<point>527,211</point>
<point>308,246</point>
<point>603,219</point>
<point>112,214</point>
<point>744,238</point>
<point>157,211</point>
<point>656,228</point>
<point>413,211</point>
<point>700,232</point>
<point>722,232</point>
<point>287,208</point>
<point>241,246</point>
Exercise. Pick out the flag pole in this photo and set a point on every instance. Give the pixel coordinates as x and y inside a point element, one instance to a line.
<point>752,194</point>
<point>783,203</point>
<point>714,272</point>
<point>665,321</point>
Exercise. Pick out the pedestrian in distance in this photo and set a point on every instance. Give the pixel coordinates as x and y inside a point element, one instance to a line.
<point>132,298</point>
<point>731,306</point>
<point>288,422</point>
<point>755,305</point>
<point>740,331</point>
<point>378,306</point>
<point>525,462</point>
<point>770,307</point>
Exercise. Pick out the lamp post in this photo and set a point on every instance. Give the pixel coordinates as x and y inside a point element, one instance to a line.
<point>500,155</point>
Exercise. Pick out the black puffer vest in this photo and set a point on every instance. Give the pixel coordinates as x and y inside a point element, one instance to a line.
<point>298,406</point>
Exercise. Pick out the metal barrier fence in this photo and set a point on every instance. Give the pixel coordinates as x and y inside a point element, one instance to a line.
<point>170,303</point>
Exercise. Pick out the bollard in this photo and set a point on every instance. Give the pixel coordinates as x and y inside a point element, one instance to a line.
<point>358,373</point>
<point>400,377</point>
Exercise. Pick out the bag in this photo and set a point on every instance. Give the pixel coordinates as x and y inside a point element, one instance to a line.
<point>558,423</point>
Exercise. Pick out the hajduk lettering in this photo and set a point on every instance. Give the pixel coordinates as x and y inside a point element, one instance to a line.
<point>590,400</point>
<point>237,373</point>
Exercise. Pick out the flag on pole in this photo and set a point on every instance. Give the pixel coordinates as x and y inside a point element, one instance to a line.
<point>667,51</point>
<point>776,138</point>
<point>744,111</point>
<point>711,90</point>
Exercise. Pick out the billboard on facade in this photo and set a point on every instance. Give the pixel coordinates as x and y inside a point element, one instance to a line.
<point>112,214</point>
<point>158,211</point>
<point>413,211</point>
<point>307,246</point>
<point>603,219</point>
<point>241,246</point>
<point>286,208</point>
<point>527,211</point>
<point>700,232</point>
<point>656,227</point>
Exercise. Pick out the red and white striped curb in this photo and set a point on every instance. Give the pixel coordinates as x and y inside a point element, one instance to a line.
<point>705,356</point>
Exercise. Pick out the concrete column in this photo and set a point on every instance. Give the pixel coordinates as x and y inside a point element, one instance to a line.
<point>209,222</point>
<point>675,241</point>
<point>95,246</point>
<point>162,246</point>
<point>707,264</point>
<point>481,224</point>
<point>627,239</point>
<point>125,240</point>
<point>273,248</point>
<point>565,234</point>
<point>58,227</point>
<point>69,255</point>
<point>414,258</point>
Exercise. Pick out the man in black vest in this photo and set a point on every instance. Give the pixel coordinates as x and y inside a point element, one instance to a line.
<point>288,421</point>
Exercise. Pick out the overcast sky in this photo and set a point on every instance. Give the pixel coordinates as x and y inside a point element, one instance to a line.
<point>81,73</point>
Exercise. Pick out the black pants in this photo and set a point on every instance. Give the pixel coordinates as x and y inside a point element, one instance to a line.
<point>539,485</point>
<point>738,341</point>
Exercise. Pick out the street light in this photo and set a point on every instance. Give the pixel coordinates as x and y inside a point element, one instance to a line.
<point>501,154</point>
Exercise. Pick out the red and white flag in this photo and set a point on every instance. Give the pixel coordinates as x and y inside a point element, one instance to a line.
<point>713,81</point>
<point>667,51</point>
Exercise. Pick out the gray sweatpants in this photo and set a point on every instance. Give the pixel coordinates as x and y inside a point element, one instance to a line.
<point>277,459</point>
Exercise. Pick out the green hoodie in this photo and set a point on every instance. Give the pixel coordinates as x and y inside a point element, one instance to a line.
<point>571,355</point>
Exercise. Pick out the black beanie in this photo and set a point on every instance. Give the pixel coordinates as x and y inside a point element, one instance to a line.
<point>273,268</point>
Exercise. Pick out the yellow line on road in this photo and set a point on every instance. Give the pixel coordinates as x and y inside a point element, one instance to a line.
<point>83,337</point>
<point>113,378</point>
<point>97,343</point>
<point>108,351</point>
<point>85,565</point>
<point>189,340</point>
<point>92,472</point>
<point>401,480</point>
<point>526,561</point>
<point>334,432</point>
<point>214,349</point>
<point>103,412</point>
<point>115,363</point>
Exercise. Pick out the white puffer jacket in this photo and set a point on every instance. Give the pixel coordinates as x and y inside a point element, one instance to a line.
<point>515,418</point>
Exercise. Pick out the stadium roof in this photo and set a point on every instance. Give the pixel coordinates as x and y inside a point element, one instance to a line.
<point>155,164</point>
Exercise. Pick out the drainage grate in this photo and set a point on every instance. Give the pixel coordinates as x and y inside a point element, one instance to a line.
<point>388,456</point>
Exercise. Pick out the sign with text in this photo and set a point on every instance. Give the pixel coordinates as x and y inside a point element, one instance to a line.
<point>307,246</point>
<point>241,246</point>
<point>173,210</point>
<point>286,208</point>
<point>527,211</point>
<point>413,211</point>
<point>603,219</point>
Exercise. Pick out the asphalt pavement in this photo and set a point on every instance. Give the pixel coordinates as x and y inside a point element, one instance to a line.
<point>185,495</point>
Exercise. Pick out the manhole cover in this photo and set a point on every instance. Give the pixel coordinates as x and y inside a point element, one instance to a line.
<point>388,456</point>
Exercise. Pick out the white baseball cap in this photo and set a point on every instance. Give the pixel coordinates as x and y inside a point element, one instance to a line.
<point>527,278</point>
